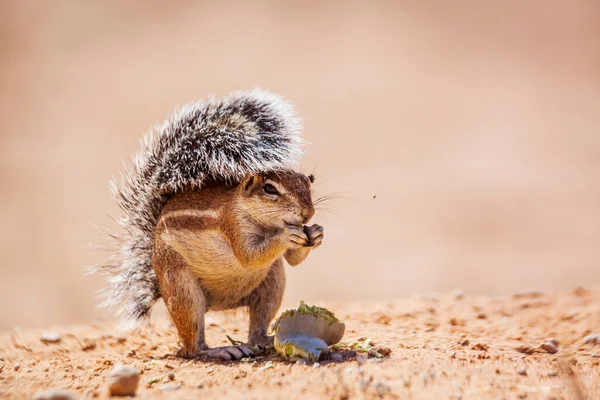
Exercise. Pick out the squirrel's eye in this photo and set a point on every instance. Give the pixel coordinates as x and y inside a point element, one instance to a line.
<point>270,189</point>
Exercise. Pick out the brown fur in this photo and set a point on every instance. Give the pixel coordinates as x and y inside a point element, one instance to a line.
<point>221,247</point>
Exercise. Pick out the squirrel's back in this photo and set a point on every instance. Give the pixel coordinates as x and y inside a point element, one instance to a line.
<point>246,133</point>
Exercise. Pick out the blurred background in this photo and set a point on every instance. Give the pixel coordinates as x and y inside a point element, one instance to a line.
<point>464,136</point>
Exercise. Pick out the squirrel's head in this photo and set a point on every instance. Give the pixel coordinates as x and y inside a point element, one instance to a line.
<point>278,198</point>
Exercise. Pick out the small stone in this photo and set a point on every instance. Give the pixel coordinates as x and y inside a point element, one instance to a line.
<point>169,387</point>
<point>50,337</point>
<point>549,347</point>
<point>480,347</point>
<point>384,351</point>
<point>336,357</point>
<point>316,365</point>
<point>553,341</point>
<point>88,345</point>
<point>123,380</point>
<point>266,366</point>
<point>522,371</point>
<point>592,339</point>
<point>171,376</point>
<point>131,353</point>
<point>54,395</point>
<point>17,367</point>
<point>552,374</point>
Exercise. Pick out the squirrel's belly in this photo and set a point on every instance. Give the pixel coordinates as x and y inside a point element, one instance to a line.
<point>211,258</point>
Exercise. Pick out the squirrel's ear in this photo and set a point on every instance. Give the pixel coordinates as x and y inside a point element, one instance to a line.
<point>248,184</point>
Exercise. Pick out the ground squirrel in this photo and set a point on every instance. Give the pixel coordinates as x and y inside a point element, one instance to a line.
<point>210,208</point>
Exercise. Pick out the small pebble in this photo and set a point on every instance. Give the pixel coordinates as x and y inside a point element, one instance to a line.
<point>553,341</point>
<point>336,357</point>
<point>17,367</point>
<point>522,371</point>
<point>123,380</point>
<point>552,374</point>
<point>549,347</point>
<point>316,365</point>
<point>592,339</point>
<point>169,387</point>
<point>50,337</point>
<point>88,345</point>
<point>54,395</point>
<point>171,376</point>
<point>268,365</point>
<point>480,347</point>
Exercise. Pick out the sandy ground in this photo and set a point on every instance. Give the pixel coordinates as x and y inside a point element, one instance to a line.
<point>462,137</point>
<point>443,346</point>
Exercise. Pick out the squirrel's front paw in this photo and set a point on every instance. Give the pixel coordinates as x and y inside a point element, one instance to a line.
<point>295,237</point>
<point>314,234</point>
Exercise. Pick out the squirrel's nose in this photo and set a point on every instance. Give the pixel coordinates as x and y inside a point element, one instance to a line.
<point>307,214</point>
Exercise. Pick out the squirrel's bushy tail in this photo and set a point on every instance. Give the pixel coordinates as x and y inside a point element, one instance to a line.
<point>247,132</point>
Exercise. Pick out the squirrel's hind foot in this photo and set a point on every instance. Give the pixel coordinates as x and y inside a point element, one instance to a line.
<point>229,353</point>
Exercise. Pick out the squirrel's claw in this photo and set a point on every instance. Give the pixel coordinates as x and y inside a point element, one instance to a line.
<point>229,353</point>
